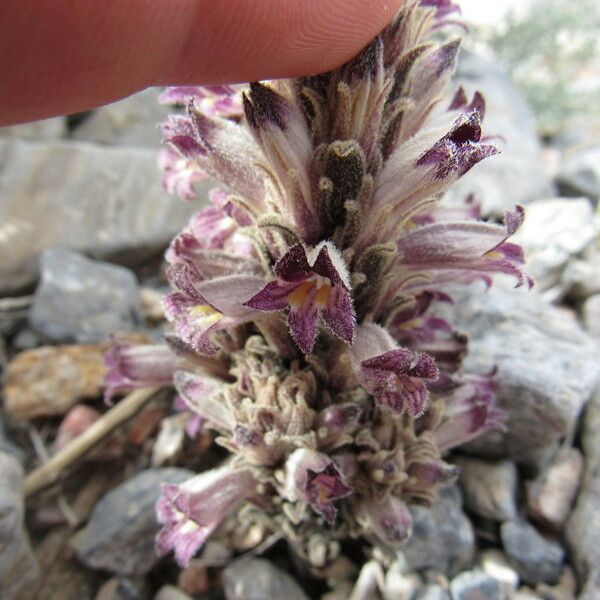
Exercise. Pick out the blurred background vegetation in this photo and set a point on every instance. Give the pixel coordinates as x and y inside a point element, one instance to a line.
<point>552,50</point>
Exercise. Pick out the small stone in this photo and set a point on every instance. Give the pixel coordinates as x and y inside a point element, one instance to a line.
<point>543,392</point>
<point>83,300</point>
<point>525,595</point>
<point>119,536</point>
<point>475,585</point>
<point>169,442</point>
<point>579,175</point>
<point>555,230</point>
<point>26,339</point>
<point>258,579</point>
<point>50,380</point>
<point>536,558</point>
<point>591,316</point>
<point>123,588</point>
<point>495,564</point>
<point>18,566</point>
<point>170,592</point>
<point>550,496</point>
<point>583,527</point>
<point>193,580</point>
<point>489,488</point>
<point>443,536</point>
<point>215,553</point>
<point>431,592</point>
<point>399,584</point>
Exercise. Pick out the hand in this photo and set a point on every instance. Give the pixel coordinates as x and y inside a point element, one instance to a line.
<point>66,56</point>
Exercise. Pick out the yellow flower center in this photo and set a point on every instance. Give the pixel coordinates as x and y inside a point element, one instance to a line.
<point>323,288</point>
<point>205,313</point>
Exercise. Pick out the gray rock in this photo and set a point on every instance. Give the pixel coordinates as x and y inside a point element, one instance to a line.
<point>18,566</point>
<point>583,527</point>
<point>536,558</point>
<point>555,230</point>
<point>516,175</point>
<point>431,592</point>
<point>131,121</point>
<point>83,300</point>
<point>489,488</point>
<point>443,536</point>
<point>579,175</point>
<point>475,585</point>
<point>581,277</point>
<point>48,129</point>
<point>106,202</point>
<point>591,315</point>
<point>547,367</point>
<point>550,496</point>
<point>258,579</point>
<point>119,536</point>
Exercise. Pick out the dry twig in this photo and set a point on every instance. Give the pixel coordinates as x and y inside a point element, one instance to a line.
<point>52,470</point>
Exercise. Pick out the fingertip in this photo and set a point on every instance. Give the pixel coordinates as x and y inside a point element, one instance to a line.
<point>246,41</point>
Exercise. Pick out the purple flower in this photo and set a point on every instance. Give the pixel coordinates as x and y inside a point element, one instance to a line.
<point>202,394</point>
<point>179,174</point>
<point>203,308</point>
<point>390,520</point>
<point>320,290</point>
<point>214,100</point>
<point>463,251</point>
<point>336,424</point>
<point>329,221</point>
<point>470,411</point>
<point>314,478</point>
<point>460,149</point>
<point>190,512</point>
<point>133,366</point>
<point>396,377</point>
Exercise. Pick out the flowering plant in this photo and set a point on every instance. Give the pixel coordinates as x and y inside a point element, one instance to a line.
<point>303,294</point>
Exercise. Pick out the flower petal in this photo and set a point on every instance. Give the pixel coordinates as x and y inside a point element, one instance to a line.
<point>274,296</point>
<point>133,366</point>
<point>293,266</point>
<point>190,512</point>
<point>314,478</point>
<point>339,313</point>
<point>302,322</point>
